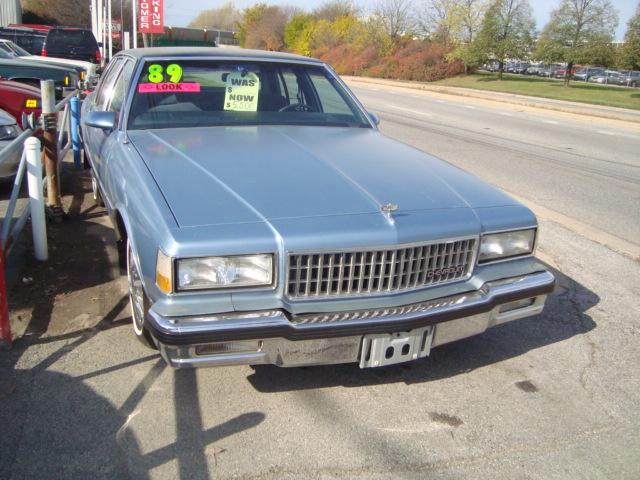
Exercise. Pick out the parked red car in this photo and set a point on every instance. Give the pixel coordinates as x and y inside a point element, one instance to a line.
<point>16,98</point>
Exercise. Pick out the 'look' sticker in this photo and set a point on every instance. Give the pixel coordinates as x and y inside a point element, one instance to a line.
<point>168,87</point>
<point>241,92</point>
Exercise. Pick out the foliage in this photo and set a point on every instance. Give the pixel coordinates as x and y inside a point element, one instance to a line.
<point>507,31</point>
<point>58,12</point>
<point>225,17</point>
<point>395,17</point>
<point>630,52</point>
<point>580,31</point>
<point>262,26</point>
<point>333,9</point>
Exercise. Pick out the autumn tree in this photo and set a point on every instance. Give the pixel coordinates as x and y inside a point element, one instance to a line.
<point>262,27</point>
<point>395,17</point>
<point>225,17</point>
<point>440,20</point>
<point>333,9</point>
<point>59,12</point>
<point>630,53</point>
<point>580,31</point>
<point>297,33</point>
<point>507,31</point>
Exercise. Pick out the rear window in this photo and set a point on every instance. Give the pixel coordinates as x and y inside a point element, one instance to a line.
<point>65,39</point>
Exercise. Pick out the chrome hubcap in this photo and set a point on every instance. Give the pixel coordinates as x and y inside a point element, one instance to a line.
<point>136,294</point>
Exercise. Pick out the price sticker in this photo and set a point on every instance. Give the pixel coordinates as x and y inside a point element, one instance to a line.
<point>241,92</point>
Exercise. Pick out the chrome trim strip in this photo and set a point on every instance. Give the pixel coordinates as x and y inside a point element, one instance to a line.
<point>237,322</point>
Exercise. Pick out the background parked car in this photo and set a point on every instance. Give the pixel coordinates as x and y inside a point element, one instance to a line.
<point>72,43</point>
<point>82,68</point>
<point>9,130</point>
<point>18,98</point>
<point>630,79</point>
<point>29,39</point>
<point>587,72</point>
<point>605,77</point>
<point>31,73</point>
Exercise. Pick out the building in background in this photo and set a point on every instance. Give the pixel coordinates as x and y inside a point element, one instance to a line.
<point>10,12</point>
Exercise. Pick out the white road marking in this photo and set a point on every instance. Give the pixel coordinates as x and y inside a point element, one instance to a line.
<point>606,132</point>
<point>506,114</point>
<point>550,122</point>
<point>470,107</point>
<point>409,110</point>
<point>440,101</point>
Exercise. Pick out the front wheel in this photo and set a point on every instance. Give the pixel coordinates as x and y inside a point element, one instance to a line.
<point>138,300</point>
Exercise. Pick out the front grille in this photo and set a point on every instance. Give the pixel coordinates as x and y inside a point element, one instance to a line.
<point>337,274</point>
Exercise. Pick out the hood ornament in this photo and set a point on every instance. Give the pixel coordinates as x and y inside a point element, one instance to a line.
<point>388,209</point>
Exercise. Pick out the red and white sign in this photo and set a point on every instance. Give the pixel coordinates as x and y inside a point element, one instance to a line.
<point>150,16</point>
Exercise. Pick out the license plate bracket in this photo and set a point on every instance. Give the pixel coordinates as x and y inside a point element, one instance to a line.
<point>383,349</point>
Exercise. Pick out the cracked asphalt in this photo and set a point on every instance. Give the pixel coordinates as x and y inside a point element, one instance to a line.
<point>554,396</point>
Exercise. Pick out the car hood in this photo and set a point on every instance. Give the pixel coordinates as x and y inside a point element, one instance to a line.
<point>221,175</point>
<point>19,62</point>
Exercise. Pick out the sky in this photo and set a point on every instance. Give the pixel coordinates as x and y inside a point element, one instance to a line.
<point>178,13</point>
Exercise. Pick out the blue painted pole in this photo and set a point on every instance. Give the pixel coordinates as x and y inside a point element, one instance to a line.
<point>75,132</point>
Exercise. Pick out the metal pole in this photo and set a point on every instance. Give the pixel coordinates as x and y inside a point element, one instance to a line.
<point>50,125</point>
<point>126,41</point>
<point>134,4</point>
<point>100,38</point>
<point>94,19</point>
<point>110,29</point>
<point>36,200</point>
<point>75,134</point>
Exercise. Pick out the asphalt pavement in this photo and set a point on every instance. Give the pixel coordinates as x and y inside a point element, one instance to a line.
<point>551,397</point>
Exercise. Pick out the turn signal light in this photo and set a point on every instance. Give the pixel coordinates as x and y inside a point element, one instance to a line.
<point>43,53</point>
<point>164,272</point>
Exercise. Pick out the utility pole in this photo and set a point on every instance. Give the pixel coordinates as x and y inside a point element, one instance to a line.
<point>134,4</point>
<point>50,138</point>
<point>110,29</point>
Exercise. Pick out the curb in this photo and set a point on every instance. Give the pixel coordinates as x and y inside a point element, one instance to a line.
<point>611,113</point>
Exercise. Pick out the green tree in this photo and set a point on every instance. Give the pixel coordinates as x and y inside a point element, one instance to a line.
<point>630,52</point>
<point>507,31</point>
<point>580,31</point>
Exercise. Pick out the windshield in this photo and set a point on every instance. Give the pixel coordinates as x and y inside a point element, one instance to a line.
<point>188,93</point>
<point>13,49</point>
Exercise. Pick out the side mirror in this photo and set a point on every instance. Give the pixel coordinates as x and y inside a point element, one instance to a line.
<point>103,120</point>
<point>374,118</point>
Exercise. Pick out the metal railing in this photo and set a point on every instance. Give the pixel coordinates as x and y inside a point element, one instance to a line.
<point>31,162</point>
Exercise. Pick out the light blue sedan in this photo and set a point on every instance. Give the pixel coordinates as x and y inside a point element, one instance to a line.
<point>262,218</point>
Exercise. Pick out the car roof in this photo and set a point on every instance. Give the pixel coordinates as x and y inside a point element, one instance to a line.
<point>194,52</point>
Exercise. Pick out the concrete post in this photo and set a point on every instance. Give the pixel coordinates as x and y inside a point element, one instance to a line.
<point>36,198</point>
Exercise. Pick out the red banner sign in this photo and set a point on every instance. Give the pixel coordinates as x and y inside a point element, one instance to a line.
<point>150,16</point>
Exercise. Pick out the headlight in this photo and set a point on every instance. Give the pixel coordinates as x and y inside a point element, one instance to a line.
<point>9,132</point>
<point>224,272</point>
<point>496,246</point>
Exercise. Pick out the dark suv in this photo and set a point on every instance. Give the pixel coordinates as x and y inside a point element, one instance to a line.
<point>29,39</point>
<point>73,43</point>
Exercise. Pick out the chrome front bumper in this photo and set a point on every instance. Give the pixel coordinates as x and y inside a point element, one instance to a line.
<point>275,337</point>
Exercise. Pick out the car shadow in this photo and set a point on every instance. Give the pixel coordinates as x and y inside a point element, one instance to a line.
<point>565,316</point>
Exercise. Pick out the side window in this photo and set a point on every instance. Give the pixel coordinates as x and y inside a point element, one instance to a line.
<point>120,87</point>
<point>106,83</point>
<point>332,101</point>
